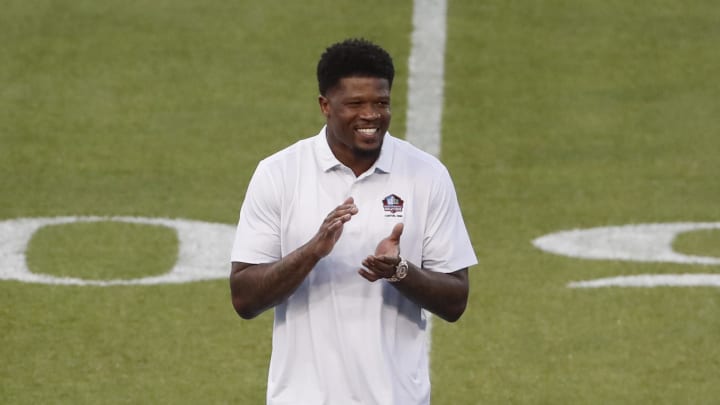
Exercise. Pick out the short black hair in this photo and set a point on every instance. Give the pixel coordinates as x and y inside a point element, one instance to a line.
<point>353,57</point>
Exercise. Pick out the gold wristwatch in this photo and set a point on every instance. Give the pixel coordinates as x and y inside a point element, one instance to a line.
<point>401,271</point>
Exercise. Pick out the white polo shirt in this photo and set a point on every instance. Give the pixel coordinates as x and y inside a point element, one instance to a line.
<point>340,339</point>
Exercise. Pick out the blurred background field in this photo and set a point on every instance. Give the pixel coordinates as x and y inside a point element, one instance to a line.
<point>557,115</point>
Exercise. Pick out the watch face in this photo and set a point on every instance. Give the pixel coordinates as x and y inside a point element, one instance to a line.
<point>402,269</point>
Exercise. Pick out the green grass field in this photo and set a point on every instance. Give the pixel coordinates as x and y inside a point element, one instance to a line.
<point>557,115</point>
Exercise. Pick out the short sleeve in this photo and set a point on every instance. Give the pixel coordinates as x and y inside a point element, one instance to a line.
<point>446,243</point>
<point>257,238</point>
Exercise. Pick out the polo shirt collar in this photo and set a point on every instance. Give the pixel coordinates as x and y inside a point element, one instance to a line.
<point>328,161</point>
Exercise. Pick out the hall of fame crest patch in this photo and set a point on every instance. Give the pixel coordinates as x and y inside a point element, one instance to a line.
<point>393,205</point>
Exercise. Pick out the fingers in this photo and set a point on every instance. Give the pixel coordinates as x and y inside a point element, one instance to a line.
<point>377,267</point>
<point>369,276</point>
<point>347,206</point>
<point>332,226</point>
<point>341,214</point>
<point>396,232</point>
<point>345,210</point>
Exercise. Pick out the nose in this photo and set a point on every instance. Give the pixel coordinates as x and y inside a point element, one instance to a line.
<point>371,112</point>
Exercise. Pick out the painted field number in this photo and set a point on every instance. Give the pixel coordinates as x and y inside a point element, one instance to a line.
<point>204,250</point>
<point>640,243</point>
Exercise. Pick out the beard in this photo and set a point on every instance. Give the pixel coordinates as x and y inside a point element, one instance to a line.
<point>367,153</point>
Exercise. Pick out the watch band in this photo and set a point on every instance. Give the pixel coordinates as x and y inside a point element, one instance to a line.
<point>401,271</point>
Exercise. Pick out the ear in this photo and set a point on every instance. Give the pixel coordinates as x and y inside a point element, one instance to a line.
<point>324,105</point>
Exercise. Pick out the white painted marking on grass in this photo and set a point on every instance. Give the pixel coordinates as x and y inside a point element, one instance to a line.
<point>425,83</point>
<point>640,243</point>
<point>652,280</point>
<point>426,75</point>
<point>203,250</point>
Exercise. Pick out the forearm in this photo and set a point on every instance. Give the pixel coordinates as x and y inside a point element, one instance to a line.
<point>443,294</point>
<point>258,287</point>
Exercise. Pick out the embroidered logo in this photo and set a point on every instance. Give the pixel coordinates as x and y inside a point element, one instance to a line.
<point>393,205</point>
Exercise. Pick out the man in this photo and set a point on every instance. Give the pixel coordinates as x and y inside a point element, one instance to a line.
<point>348,235</point>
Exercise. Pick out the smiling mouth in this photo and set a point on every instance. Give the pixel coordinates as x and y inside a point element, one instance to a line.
<point>368,131</point>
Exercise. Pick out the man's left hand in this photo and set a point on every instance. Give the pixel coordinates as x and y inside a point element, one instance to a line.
<point>386,258</point>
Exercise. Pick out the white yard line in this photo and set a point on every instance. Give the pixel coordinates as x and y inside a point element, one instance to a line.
<point>425,83</point>
<point>426,75</point>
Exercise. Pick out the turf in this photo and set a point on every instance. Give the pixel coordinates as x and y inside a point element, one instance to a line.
<point>557,115</point>
<point>563,115</point>
<point>102,250</point>
<point>699,243</point>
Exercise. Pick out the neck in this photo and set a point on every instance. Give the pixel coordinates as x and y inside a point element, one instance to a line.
<point>358,160</point>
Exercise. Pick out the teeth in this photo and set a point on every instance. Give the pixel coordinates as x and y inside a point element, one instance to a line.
<point>367,131</point>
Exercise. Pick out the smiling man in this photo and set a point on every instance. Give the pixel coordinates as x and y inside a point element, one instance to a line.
<point>349,235</point>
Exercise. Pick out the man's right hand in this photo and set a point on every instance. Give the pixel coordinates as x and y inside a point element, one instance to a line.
<point>331,229</point>
<point>257,287</point>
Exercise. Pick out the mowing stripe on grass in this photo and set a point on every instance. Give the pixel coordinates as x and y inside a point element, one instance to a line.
<point>426,71</point>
